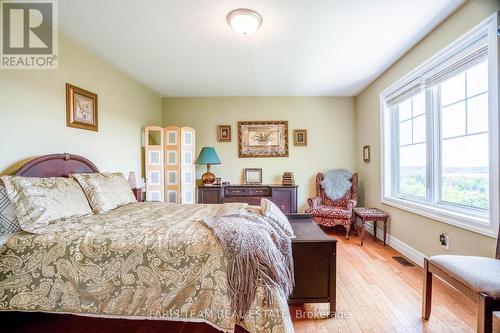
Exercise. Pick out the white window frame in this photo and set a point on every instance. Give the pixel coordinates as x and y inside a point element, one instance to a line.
<point>485,224</point>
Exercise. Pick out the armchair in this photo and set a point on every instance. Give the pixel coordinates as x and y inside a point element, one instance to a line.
<point>329,213</point>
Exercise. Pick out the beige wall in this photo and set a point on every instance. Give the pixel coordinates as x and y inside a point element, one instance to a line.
<point>33,112</point>
<point>329,121</point>
<point>418,232</point>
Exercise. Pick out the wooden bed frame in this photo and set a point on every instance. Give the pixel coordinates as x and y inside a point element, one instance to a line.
<point>62,165</point>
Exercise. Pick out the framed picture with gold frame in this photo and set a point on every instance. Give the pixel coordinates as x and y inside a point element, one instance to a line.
<point>224,133</point>
<point>263,139</point>
<point>300,137</point>
<point>366,153</point>
<point>81,108</point>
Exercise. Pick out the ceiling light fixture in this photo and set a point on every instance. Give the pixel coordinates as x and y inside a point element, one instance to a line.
<point>244,21</point>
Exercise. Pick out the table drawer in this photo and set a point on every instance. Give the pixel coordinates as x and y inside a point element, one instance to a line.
<point>235,192</point>
<point>259,192</point>
<point>255,201</point>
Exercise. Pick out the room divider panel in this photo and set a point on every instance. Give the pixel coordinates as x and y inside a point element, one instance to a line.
<point>170,169</point>
<point>153,136</point>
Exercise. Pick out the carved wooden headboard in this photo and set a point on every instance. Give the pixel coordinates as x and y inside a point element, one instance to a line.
<point>56,165</point>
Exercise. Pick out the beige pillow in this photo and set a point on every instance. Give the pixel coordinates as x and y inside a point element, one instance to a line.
<point>274,213</point>
<point>39,202</point>
<point>105,191</point>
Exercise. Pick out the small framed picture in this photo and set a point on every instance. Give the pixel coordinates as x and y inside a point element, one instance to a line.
<point>81,108</point>
<point>300,137</point>
<point>224,133</point>
<point>252,176</point>
<point>366,153</point>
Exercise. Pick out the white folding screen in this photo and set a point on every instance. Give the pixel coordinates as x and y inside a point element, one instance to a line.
<point>170,168</point>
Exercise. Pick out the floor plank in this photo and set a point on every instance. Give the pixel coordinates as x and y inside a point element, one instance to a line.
<point>377,294</point>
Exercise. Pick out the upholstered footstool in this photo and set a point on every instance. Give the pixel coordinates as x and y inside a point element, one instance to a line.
<point>370,214</point>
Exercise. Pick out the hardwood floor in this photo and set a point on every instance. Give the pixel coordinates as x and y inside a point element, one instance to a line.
<point>377,294</point>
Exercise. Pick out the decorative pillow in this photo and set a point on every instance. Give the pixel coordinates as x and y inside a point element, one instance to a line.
<point>8,220</point>
<point>274,213</point>
<point>39,202</point>
<point>105,191</point>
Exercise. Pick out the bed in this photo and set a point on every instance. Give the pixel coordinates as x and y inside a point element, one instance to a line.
<point>142,261</point>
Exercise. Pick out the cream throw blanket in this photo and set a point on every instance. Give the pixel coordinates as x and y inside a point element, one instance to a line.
<point>259,253</point>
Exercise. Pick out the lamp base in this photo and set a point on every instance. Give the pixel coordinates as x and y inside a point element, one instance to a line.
<point>208,178</point>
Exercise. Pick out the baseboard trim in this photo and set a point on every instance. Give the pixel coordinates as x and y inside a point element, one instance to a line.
<point>409,252</point>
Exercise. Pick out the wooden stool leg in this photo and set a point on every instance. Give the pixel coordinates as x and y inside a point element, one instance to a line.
<point>385,231</point>
<point>427,292</point>
<point>362,237</point>
<point>375,230</point>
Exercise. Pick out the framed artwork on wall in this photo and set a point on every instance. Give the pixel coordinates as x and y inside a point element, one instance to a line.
<point>224,133</point>
<point>263,138</point>
<point>252,176</point>
<point>300,137</point>
<point>366,153</point>
<point>81,108</point>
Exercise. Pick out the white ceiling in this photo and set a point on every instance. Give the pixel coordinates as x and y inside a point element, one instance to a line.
<point>303,48</point>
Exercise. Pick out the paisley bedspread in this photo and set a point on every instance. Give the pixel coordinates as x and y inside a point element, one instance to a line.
<point>143,260</point>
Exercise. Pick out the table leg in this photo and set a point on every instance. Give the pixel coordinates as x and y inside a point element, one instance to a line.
<point>362,237</point>
<point>385,231</point>
<point>375,230</point>
<point>355,225</point>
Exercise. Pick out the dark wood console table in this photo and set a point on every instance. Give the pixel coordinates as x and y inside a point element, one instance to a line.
<point>284,197</point>
<point>315,260</point>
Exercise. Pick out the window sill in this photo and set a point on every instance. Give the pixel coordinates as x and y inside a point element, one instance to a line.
<point>471,223</point>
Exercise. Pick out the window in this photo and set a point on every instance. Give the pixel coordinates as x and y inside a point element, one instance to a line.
<point>412,146</point>
<point>463,108</point>
<point>440,135</point>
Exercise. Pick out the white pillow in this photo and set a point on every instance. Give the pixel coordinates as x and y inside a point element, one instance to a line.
<point>105,191</point>
<point>274,213</point>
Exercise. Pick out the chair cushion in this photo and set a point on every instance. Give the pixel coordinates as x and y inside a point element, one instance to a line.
<point>331,212</point>
<point>481,274</point>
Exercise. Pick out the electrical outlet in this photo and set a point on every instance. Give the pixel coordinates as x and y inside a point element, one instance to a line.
<point>444,239</point>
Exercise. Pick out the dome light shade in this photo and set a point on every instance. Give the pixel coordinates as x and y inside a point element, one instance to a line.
<point>244,21</point>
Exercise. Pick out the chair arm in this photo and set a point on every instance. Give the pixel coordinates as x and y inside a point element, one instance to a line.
<point>351,204</point>
<point>314,202</point>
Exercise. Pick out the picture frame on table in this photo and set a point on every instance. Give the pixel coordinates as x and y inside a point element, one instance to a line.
<point>252,176</point>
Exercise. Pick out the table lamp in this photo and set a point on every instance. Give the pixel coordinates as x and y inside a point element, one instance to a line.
<point>208,156</point>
